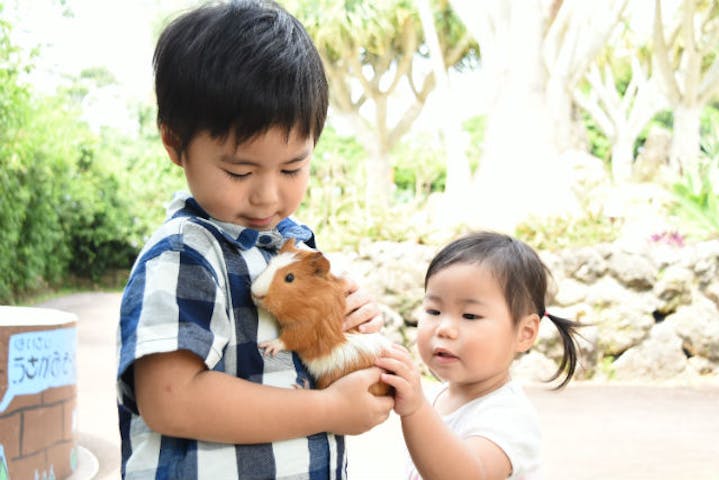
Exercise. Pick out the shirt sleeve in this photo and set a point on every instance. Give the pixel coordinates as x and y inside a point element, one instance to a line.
<point>512,426</point>
<point>174,300</point>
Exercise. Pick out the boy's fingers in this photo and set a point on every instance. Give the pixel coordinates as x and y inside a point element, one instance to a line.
<point>372,326</point>
<point>367,317</point>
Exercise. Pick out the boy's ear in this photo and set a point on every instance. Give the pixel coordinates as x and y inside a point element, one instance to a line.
<point>527,332</point>
<point>172,144</point>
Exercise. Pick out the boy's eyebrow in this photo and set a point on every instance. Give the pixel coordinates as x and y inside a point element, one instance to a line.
<point>243,161</point>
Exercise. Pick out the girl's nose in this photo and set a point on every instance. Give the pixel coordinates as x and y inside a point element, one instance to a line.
<point>447,327</point>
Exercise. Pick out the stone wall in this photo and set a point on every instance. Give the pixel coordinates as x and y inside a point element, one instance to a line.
<point>652,307</point>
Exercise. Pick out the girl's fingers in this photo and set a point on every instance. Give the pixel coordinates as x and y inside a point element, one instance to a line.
<point>396,367</point>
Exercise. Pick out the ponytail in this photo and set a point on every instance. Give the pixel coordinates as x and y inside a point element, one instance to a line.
<point>568,332</point>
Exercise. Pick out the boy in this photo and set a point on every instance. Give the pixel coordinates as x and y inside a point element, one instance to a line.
<point>242,99</point>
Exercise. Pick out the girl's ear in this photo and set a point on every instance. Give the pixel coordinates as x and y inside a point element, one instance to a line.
<point>527,332</point>
<point>172,144</point>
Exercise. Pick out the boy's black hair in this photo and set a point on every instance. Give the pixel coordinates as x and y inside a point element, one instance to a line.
<point>523,278</point>
<point>240,67</point>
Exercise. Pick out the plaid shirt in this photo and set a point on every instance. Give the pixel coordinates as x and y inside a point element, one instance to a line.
<point>190,290</point>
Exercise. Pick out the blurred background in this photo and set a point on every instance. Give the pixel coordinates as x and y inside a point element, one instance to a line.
<point>567,123</point>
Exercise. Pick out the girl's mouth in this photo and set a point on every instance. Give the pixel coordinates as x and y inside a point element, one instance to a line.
<point>444,355</point>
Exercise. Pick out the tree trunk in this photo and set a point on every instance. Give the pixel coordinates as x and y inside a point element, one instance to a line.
<point>379,175</point>
<point>684,153</point>
<point>457,187</point>
<point>520,174</point>
<point>559,104</point>
<point>622,157</point>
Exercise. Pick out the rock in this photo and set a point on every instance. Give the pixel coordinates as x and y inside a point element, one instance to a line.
<point>620,328</point>
<point>673,289</point>
<point>660,357</point>
<point>698,327</point>
<point>634,271</point>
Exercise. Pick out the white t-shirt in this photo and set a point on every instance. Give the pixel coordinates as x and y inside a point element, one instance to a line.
<point>507,418</point>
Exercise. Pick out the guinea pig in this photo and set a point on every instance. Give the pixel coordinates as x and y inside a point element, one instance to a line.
<point>309,303</point>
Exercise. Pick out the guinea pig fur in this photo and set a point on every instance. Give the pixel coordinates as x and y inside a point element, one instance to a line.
<point>308,303</point>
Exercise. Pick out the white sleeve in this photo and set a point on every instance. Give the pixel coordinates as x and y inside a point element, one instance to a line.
<point>511,425</point>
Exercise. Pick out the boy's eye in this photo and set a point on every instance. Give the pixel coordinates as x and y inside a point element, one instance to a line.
<point>470,316</point>
<point>431,311</point>
<point>236,175</point>
<point>291,173</point>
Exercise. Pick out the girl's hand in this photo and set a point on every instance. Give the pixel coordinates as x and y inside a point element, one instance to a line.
<point>403,374</point>
<point>362,311</point>
<point>357,409</point>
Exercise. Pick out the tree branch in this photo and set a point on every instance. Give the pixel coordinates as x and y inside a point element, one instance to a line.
<point>661,56</point>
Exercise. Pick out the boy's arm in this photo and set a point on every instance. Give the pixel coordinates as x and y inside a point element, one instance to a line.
<point>436,451</point>
<point>178,396</point>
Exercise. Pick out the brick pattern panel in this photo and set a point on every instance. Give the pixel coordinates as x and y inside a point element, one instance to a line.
<point>42,428</point>
<point>60,457</point>
<point>10,428</point>
<point>59,394</point>
<point>24,468</point>
<point>36,430</point>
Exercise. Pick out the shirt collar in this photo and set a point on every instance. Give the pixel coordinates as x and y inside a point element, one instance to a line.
<point>183,205</point>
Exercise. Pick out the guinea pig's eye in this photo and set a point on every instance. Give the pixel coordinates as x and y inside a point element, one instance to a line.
<point>289,278</point>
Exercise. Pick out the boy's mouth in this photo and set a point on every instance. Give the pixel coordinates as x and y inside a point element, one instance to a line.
<point>260,223</point>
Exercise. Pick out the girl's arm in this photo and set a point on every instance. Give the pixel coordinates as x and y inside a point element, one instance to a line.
<point>436,451</point>
<point>178,396</point>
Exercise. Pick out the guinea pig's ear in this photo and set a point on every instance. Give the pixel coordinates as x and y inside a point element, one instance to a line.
<point>288,245</point>
<point>320,264</point>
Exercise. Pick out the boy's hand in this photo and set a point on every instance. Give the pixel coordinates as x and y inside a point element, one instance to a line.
<point>362,311</point>
<point>402,374</point>
<point>356,409</point>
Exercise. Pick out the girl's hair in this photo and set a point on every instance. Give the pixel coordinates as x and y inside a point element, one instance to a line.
<point>244,66</point>
<point>523,278</point>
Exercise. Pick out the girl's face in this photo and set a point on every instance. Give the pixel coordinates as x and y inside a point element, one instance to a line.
<point>466,335</point>
<point>255,184</point>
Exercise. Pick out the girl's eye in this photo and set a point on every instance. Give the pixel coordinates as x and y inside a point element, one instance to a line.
<point>470,316</point>
<point>432,312</point>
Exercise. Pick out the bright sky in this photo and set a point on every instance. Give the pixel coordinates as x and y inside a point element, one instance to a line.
<point>116,34</point>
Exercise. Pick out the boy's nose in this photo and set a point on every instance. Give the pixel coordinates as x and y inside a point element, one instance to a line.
<point>264,193</point>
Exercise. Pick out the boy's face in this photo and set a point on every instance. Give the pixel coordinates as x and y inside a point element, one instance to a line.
<point>255,184</point>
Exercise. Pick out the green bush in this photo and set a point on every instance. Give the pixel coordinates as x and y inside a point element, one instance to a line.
<point>72,203</point>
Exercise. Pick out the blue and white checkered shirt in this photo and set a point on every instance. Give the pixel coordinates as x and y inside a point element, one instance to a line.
<point>190,290</point>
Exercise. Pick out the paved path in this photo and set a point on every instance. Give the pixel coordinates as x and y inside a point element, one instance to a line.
<point>590,431</point>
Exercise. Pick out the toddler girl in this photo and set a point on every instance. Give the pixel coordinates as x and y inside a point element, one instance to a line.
<point>484,298</point>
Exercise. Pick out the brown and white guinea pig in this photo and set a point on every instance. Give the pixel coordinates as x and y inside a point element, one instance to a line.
<point>308,302</point>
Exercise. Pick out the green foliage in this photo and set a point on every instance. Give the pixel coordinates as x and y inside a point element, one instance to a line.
<point>475,127</point>
<point>599,144</point>
<point>564,232</point>
<point>664,119</point>
<point>419,167</point>
<point>72,203</point>
<point>696,196</point>
<point>335,205</point>
<point>697,204</point>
